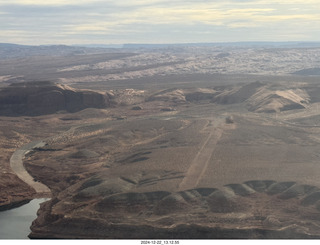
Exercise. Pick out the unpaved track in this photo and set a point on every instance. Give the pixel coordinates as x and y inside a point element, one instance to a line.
<point>200,162</point>
<point>16,163</point>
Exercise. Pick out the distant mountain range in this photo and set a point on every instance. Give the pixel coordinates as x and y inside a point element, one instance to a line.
<point>10,50</point>
<point>229,44</point>
<point>160,45</point>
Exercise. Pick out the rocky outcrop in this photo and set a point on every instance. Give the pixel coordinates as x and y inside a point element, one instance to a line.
<point>266,100</point>
<point>39,98</point>
<point>263,97</point>
<point>15,204</point>
<point>171,95</point>
<point>201,94</point>
<point>238,94</point>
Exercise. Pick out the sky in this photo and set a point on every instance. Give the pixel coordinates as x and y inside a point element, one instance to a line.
<point>35,22</point>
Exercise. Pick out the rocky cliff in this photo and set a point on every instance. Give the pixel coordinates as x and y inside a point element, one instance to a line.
<point>39,98</point>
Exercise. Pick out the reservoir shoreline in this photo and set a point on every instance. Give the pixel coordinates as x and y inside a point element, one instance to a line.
<point>15,223</point>
<point>16,217</point>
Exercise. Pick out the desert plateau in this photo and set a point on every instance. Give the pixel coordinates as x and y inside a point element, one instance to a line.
<point>163,142</point>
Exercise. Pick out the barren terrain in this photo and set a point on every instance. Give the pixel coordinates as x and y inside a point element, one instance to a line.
<point>194,142</point>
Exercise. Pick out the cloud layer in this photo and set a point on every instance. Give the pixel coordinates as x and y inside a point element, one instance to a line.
<point>157,21</point>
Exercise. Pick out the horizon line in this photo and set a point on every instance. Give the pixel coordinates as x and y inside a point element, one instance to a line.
<point>164,44</point>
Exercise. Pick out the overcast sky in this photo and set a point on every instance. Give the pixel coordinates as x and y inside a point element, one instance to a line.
<point>157,21</point>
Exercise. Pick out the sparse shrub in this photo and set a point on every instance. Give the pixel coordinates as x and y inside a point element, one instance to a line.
<point>136,108</point>
<point>229,119</point>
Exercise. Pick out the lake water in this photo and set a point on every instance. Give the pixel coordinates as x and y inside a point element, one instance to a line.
<point>15,223</point>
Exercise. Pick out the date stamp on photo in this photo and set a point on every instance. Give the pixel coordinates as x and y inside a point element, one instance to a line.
<point>160,242</point>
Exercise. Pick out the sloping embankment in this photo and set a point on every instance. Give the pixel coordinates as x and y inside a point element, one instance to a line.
<point>16,163</point>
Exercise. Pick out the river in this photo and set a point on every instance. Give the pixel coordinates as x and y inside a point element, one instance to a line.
<point>15,223</point>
